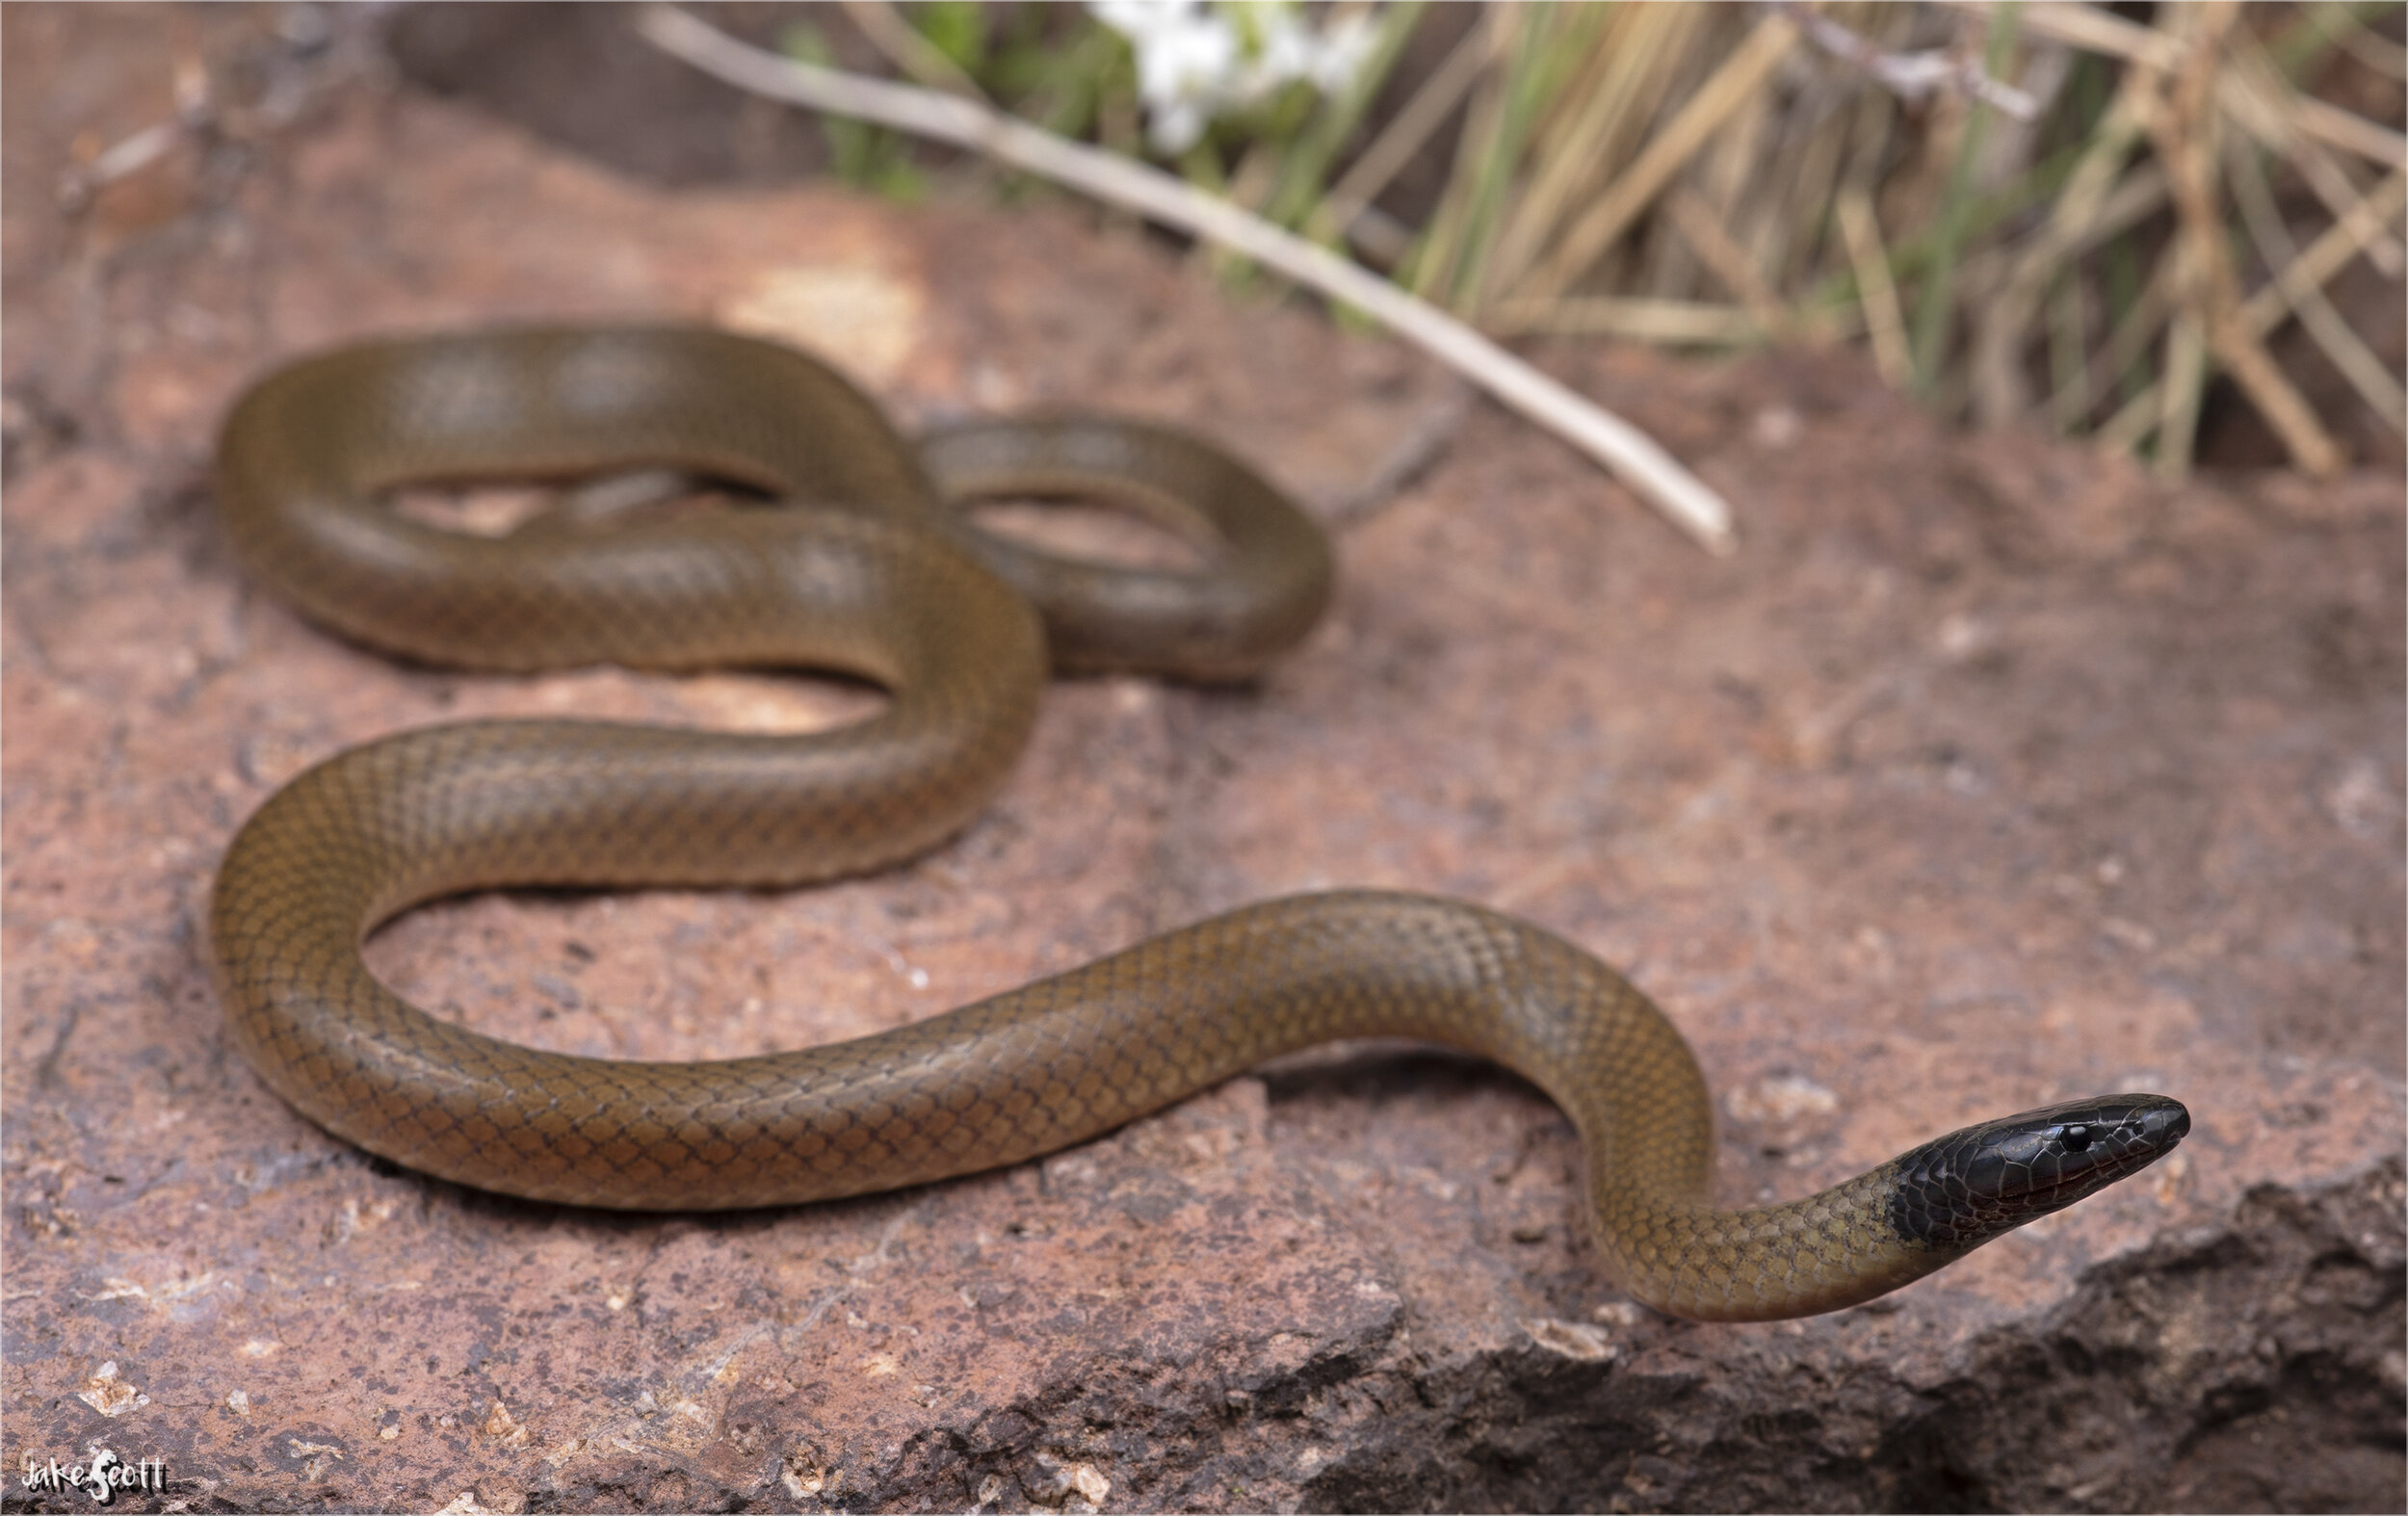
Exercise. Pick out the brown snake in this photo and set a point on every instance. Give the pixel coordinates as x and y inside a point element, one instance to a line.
<point>875,576</point>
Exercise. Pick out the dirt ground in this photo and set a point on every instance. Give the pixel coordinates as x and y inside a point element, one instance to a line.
<point>1987,773</point>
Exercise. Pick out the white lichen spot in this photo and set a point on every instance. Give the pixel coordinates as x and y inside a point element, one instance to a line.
<point>2360,804</point>
<point>1064,1482</point>
<point>1779,1099</point>
<point>1777,426</point>
<point>803,1475</point>
<point>2170,1176</point>
<point>509,1430</point>
<point>104,1392</point>
<point>863,313</point>
<point>1961,634</point>
<point>1577,1340</point>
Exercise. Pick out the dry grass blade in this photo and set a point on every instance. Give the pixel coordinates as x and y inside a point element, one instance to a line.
<point>2323,325</point>
<point>2357,230</point>
<point>2378,53</point>
<point>1679,324</point>
<point>2185,128</point>
<point>1434,263</point>
<point>2077,219</point>
<point>2178,393</point>
<point>2005,323</point>
<point>2253,94</point>
<point>1697,222</point>
<point>2260,313</point>
<point>1638,184</point>
<point>915,55</point>
<point>1630,70</point>
<point>2336,127</point>
<point>2093,30</point>
<point>1405,134</point>
<point>2130,338</point>
<point>1885,318</point>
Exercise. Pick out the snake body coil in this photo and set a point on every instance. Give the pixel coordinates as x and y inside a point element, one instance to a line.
<point>862,568</point>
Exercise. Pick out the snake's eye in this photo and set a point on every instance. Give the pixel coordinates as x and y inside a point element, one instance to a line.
<point>2076,1137</point>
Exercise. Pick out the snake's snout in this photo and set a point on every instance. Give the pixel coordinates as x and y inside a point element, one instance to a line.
<point>2161,1123</point>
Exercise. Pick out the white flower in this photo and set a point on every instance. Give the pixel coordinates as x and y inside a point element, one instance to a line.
<point>1192,65</point>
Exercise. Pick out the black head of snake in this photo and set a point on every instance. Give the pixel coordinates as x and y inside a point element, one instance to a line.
<point>1960,1190</point>
<point>865,568</point>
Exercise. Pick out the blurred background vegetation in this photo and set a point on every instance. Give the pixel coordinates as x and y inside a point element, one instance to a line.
<point>2172,229</point>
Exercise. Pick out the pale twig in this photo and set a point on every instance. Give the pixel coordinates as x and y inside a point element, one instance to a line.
<point>194,112</point>
<point>1911,76</point>
<point>1414,453</point>
<point>79,184</point>
<point>1679,495</point>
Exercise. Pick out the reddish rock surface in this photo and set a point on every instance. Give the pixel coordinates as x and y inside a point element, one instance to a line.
<point>1986,774</point>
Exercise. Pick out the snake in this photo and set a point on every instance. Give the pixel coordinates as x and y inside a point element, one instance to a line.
<point>849,549</point>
